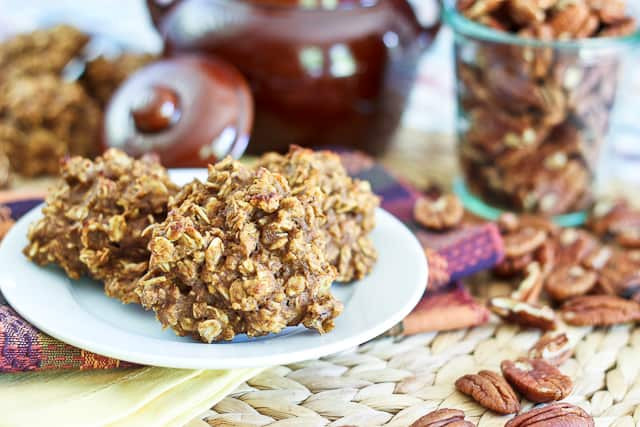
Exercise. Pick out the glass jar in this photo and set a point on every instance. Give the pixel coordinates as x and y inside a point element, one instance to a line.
<point>533,115</point>
<point>322,72</point>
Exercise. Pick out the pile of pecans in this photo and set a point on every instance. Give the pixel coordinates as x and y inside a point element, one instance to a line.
<point>578,276</point>
<point>534,117</point>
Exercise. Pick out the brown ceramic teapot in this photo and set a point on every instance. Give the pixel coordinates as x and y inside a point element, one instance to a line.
<point>322,72</point>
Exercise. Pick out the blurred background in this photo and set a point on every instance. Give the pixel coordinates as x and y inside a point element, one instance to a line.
<point>427,132</point>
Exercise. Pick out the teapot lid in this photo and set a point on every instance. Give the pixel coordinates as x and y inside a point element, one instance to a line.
<point>191,110</point>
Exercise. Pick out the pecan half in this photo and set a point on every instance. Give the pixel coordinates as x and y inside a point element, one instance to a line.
<point>528,315</point>
<point>477,8</point>
<point>599,310</point>
<point>574,245</point>
<point>537,380</point>
<point>440,214</point>
<point>523,241</point>
<point>554,415</point>
<point>512,266</point>
<point>490,390</point>
<point>620,275</point>
<point>443,418</point>
<point>529,289</point>
<point>569,281</point>
<point>554,347</point>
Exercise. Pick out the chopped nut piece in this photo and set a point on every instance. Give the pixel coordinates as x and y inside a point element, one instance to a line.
<point>554,347</point>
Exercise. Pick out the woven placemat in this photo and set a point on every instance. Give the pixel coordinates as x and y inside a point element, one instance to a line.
<point>393,382</point>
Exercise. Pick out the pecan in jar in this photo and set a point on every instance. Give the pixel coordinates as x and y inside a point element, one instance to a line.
<point>536,379</point>
<point>490,390</point>
<point>443,213</point>
<point>527,315</point>
<point>554,415</point>
<point>534,116</point>
<point>566,282</point>
<point>599,310</point>
<point>443,418</point>
<point>554,347</point>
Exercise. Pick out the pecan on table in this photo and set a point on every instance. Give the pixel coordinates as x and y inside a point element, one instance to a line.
<point>443,418</point>
<point>491,391</point>
<point>566,282</point>
<point>527,315</point>
<point>620,274</point>
<point>537,380</point>
<point>554,415</point>
<point>573,246</point>
<point>529,289</point>
<point>523,241</point>
<point>554,347</point>
<point>512,266</point>
<point>599,310</point>
<point>443,213</point>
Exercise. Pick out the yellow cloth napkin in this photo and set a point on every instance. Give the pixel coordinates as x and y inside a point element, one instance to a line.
<point>114,398</point>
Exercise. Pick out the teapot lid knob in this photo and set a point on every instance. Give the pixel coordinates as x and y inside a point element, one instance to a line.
<point>156,110</point>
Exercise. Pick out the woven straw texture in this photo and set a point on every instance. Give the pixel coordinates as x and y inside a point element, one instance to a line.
<point>393,382</point>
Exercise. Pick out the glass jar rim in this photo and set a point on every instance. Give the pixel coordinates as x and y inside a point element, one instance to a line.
<point>467,27</point>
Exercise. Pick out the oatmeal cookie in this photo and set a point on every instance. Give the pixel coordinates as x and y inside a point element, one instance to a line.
<point>94,220</point>
<point>240,253</point>
<point>40,52</point>
<point>102,75</point>
<point>349,206</point>
<point>43,118</point>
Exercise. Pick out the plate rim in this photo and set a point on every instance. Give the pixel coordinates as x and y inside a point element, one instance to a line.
<point>259,360</point>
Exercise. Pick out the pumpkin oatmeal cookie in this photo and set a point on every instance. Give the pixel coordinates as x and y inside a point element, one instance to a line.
<point>94,220</point>
<point>43,118</point>
<point>240,253</point>
<point>349,206</point>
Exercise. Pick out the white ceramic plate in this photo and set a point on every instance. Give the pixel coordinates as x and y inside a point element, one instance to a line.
<point>78,312</point>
